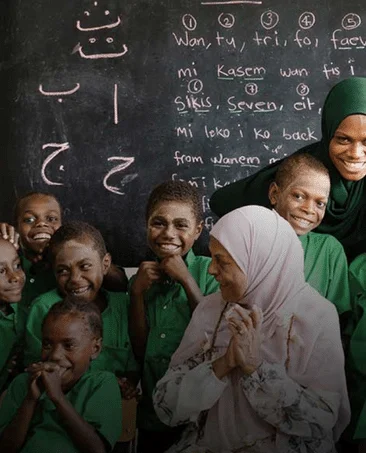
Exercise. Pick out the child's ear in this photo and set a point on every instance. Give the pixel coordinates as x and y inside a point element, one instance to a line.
<point>273,193</point>
<point>97,347</point>
<point>199,229</point>
<point>107,260</point>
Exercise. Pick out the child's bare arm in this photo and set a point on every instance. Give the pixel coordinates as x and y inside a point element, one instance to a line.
<point>84,436</point>
<point>14,435</point>
<point>116,279</point>
<point>176,268</point>
<point>138,327</point>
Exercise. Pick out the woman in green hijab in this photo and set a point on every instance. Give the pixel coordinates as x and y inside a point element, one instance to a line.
<point>342,150</point>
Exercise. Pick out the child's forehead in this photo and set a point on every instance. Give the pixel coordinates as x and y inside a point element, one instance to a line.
<point>78,249</point>
<point>183,207</point>
<point>71,324</point>
<point>307,176</point>
<point>7,250</point>
<point>39,201</point>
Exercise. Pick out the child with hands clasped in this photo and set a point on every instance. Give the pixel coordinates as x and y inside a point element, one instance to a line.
<point>80,261</point>
<point>164,294</point>
<point>60,405</point>
<point>12,280</point>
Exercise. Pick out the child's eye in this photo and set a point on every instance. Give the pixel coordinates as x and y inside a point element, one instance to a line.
<point>85,267</point>
<point>46,345</point>
<point>321,204</point>
<point>62,271</point>
<point>298,196</point>
<point>52,219</point>
<point>29,220</point>
<point>69,346</point>
<point>17,266</point>
<point>2,270</point>
<point>182,226</point>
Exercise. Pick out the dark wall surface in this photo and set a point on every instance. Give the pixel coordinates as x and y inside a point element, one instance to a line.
<point>103,100</point>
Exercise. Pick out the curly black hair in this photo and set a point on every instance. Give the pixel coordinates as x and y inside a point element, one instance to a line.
<point>88,311</point>
<point>180,191</point>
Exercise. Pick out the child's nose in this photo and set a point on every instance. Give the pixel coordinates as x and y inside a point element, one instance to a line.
<point>75,275</point>
<point>308,206</point>
<point>13,276</point>
<point>55,354</point>
<point>169,231</point>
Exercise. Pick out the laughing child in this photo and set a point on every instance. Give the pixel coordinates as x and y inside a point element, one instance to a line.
<point>80,261</point>
<point>12,280</point>
<point>300,194</point>
<point>164,294</point>
<point>60,405</point>
<point>38,216</point>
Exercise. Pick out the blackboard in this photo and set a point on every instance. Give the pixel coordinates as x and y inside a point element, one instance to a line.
<point>102,100</point>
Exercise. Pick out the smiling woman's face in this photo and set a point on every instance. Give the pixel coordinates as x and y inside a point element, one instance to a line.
<point>347,148</point>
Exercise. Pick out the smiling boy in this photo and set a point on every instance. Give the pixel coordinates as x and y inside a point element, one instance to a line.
<point>80,261</point>
<point>300,194</point>
<point>164,294</point>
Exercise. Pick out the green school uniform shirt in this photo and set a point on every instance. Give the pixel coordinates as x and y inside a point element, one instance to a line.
<point>168,314</point>
<point>10,337</point>
<point>96,397</point>
<point>326,268</point>
<point>116,355</point>
<point>356,359</point>
<point>39,280</point>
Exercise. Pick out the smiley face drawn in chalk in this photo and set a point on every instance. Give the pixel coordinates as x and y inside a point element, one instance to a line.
<point>99,40</point>
<point>60,147</point>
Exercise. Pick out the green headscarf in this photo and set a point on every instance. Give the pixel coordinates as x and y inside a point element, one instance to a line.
<point>345,216</point>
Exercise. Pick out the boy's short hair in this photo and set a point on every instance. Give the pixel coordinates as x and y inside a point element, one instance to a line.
<point>180,191</point>
<point>75,230</point>
<point>20,200</point>
<point>293,163</point>
<point>88,311</point>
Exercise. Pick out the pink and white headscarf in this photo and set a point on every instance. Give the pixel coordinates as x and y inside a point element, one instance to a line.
<point>300,328</point>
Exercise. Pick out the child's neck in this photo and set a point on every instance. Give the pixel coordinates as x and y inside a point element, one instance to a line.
<point>5,308</point>
<point>101,301</point>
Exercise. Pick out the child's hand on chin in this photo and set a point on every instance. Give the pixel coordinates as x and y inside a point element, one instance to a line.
<point>175,267</point>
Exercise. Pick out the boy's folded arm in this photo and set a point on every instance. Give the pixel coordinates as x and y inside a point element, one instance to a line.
<point>138,326</point>
<point>14,434</point>
<point>84,436</point>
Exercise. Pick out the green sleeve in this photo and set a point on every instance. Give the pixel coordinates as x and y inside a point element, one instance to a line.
<point>13,399</point>
<point>103,409</point>
<point>33,332</point>
<point>338,289</point>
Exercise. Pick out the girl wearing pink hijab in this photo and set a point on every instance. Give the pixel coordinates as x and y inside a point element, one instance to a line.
<point>260,368</point>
